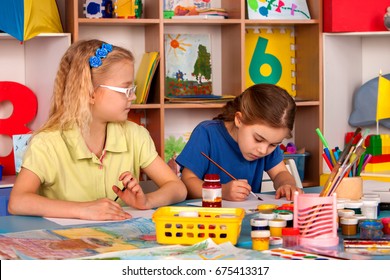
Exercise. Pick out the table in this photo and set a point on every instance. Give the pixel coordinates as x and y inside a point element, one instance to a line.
<point>24,223</point>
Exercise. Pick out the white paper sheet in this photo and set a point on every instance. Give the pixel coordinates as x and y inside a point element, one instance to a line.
<point>135,213</point>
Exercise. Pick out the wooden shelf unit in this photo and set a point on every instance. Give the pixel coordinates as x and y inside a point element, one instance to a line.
<point>147,34</point>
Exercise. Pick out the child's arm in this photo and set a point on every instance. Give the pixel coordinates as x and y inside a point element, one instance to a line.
<point>235,190</point>
<point>171,188</point>
<point>284,182</point>
<point>25,200</point>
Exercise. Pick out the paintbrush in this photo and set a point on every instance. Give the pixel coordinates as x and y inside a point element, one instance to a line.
<point>348,149</point>
<point>227,173</point>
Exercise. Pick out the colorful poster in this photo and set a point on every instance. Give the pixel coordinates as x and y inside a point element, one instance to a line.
<point>270,57</point>
<point>187,65</point>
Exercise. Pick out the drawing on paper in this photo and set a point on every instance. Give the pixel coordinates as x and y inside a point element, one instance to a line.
<point>187,65</point>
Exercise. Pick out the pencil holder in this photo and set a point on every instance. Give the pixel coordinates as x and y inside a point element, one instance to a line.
<point>316,219</point>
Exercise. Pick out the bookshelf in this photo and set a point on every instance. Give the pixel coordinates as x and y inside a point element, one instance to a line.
<point>368,52</point>
<point>228,37</point>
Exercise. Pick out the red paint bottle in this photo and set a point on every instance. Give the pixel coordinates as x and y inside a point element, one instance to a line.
<point>212,191</point>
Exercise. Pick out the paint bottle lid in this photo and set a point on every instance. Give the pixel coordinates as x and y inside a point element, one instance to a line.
<point>269,215</point>
<point>288,216</point>
<point>275,240</point>
<point>353,204</point>
<point>277,223</point>
<point>290,231</point>
<point>258,222</point>
<point>261,207</point>
<point>260,233</point>
<point>348,221</point>
<point>345,213</point>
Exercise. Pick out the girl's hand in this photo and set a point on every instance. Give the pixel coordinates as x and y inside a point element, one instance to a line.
<point>236,190</point>
<point>102,210</point>
<point>132,194</point>
<point>287,191</point>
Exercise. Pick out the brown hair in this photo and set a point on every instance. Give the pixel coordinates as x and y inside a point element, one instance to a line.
<point>75,83</point>
<point>262,104</point>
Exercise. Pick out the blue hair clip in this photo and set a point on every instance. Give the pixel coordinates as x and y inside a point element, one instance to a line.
<point>96,60</point>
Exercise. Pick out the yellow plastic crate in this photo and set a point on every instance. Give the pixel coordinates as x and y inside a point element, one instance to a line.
<point>219,224</point>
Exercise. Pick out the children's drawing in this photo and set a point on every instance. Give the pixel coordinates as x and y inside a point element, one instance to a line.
<point>278,9</point>
<point>188,65</point>
<point>77,242</point>
<point>173,147</point>
<point>205,250</point>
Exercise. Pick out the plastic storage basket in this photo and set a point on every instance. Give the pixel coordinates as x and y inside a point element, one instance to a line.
<point>190,225</point>
<point>300,160</point>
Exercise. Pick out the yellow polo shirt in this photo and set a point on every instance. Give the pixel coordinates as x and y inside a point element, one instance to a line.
<point>68,170</point>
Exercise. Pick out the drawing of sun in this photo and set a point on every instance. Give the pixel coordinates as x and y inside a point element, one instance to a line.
<point>175,43</point>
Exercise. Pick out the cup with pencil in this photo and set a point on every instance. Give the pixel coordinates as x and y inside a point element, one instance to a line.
<point>315,215</point>
<point>346,166</point>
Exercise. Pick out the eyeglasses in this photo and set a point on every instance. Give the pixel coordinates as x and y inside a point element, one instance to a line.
<point>127,91</point>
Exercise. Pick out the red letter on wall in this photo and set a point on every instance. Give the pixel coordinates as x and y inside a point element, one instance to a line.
<point>25,107</point>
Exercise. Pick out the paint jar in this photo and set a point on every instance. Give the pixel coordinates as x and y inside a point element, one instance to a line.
<point>344,213</point>
<point>360,218</point>
<point>288,216</point>
<point>350,187</point>
<point>348,225</point>
<point>370,209</point>
<point>290,237</point>
<point>259,224</point>
<point>386,225</point>
<point>260,239</point>
<point>354,205</point>
<point>212,191</point>
<point>339,206</point>
<point>371,229</point>
<point>275,226</point>
<point>267,215</point>
<point>373,196</point>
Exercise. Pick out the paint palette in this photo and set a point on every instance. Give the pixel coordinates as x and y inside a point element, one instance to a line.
<point>296,255</point>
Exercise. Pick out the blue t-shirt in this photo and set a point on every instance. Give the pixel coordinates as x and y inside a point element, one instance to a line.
<point>212,138</point>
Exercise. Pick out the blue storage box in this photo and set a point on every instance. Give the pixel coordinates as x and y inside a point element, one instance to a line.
<point>4,198</point>
<point>299,161</point>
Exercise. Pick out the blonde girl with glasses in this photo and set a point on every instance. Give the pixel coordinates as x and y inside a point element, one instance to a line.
<point>85,161</point>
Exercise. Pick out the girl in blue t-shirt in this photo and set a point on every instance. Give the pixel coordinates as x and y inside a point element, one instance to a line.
<point>244,139</point>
